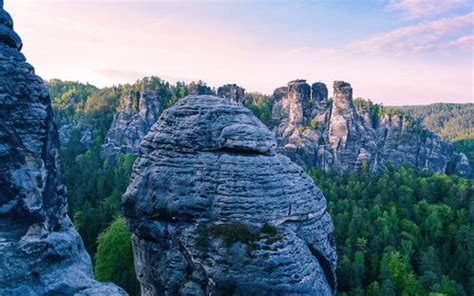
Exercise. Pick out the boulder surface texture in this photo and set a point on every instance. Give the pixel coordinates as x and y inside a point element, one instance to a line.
<point>214,210</point>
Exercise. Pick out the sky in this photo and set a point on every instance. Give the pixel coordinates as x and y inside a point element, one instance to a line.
<point>394,52</point>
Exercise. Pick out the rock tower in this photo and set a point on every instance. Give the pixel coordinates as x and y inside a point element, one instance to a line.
<point>41,252</point>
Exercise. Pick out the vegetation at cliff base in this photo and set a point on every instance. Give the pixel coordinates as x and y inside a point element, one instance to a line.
<point>114,257</point>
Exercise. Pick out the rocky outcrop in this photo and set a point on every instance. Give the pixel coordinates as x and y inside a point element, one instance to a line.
<point>199,88</point>
<point>462,165</point>
<point>40,252</point>
<point>334,134</point>
<point>234,93</point>
<point>345,131</point>
<point>303,139</point>
<point>215,211</point>
<point>85,133</point>
<point>139,110</point>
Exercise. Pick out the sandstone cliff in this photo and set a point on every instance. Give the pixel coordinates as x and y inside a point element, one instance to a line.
<point>234,93</point>
<point>139,110</point>
<point>215,211</point>
<point>336,134</point>
<point>41,253</point>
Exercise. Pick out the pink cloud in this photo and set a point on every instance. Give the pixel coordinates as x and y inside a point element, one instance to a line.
<point>464,42</point>
<point>422,37</point>
<point>421,8</point>
<point>126,44</point>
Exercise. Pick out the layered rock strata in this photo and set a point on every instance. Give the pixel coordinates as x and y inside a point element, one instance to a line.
<point>40,252</point>
<point>334,134</point>
<point>215,211</point>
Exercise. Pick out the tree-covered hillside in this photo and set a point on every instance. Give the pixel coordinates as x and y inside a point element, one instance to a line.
<point>450,121</point>
<point>454,122</point>
<point>399,233</point>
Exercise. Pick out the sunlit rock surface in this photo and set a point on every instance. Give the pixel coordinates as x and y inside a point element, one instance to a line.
<point>335,134</point>
<point>215,211</point>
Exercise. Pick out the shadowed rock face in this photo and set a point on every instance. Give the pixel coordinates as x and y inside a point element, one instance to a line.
<point>336,135</point>
<point>319,92</point>
<point>215,211</point>
<point>234,93</point>
<point>139,111</point>
<point>199,88</point>
<point>41,253</point>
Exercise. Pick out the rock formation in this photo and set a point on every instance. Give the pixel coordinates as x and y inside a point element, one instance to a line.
<point>139,110</point>
<point>40,252</point>
<point>336,134</point>
<point>85,133</point>
<point>462,165</point>
<point>234,93</point>
<point>294,136</point>
<point>215,211</point>
<point>199,88</point>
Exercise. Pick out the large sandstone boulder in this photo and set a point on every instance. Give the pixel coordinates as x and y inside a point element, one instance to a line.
<point>40,252</point>
<point>215,211</point>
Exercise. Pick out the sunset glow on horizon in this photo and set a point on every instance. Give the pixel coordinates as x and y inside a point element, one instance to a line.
<point>392,52</point>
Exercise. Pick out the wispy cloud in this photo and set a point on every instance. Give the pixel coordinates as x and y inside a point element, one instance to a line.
<point>465,42</point>
<point>89,41</point>
<point>423,37</point>
<point>422,8</point>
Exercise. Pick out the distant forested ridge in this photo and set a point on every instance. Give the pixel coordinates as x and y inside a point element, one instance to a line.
<point>454,122</point>
<point>450,121</point>
<point>402,232</point>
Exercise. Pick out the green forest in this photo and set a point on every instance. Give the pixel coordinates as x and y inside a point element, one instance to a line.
<point>450,121</point>
<point>453,122</point>
<point>400,233</point>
